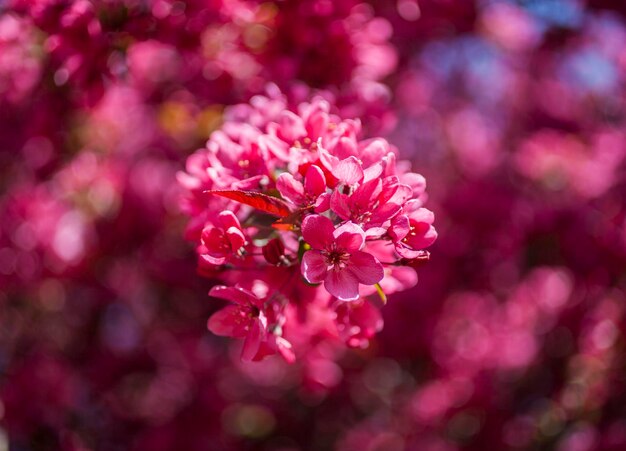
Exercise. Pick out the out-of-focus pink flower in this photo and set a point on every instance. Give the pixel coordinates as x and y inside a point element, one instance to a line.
<point>358,322</point>
<point>256,320</point>
<point>245,319</point>
<point>20,67</point>
<point>152,62</point>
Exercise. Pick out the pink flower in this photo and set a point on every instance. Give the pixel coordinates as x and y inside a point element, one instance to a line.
<point>259,322</point>
<point>413,230</point>
<point>310,194</point>
<point>373,202</point>
<point>349,171</point>
<point>357,323</point>
<point>245,319</point>
<point>223,240</point>
<point>336,258</point>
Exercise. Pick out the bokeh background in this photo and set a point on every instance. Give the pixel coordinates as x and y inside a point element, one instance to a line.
<point>512,339</point>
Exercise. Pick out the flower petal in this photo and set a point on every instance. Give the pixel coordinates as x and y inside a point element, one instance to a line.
<point>314,267</point>
<point>417,182</point>
<point>285,350</point>
<point>226,322</point>
<point>253,340</point>
<point>373,149</point>
<point>374,171</point>
<point>348,171</point>
<point>322,203</point>
<point>236,238</point>
<point>349,237</point>
<point>227,219</point>
<point>214,241</point>
<point>318,231</point>
<point>234,294</point>
<point>425,235</point>
<point>364,196</point>
<point>340,204</point>
<point>402,194</point>
<point>212,260</point>
<point>291,127</point>
<point>422,215</point>
<point>400,227</point>
<point>272,144</point>
<point>366,268</point>
<point>375,232</point>
<point>345,147</point>
<point>385,212</point>
<point>290,188</point>
<point>314,181</point>
<point>342,284</point>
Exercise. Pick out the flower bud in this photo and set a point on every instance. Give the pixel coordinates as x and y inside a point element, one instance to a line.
<point>274,252</point>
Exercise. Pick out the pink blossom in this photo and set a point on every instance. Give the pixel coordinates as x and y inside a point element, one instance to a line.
<point>413,231</point>
<point>358,322</point>
<point>245,319</point>
<point>310,194</point>
<point>223,240</point>
<point>258,321</point>
<point>336,258</point>
<point>373,202</point>
<point>349,171</point>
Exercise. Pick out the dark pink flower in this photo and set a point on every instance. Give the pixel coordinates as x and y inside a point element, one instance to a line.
<point>349,171</point>
<point>413,231</point>
<point>310,194</point>
<point>358,322</point>
<point>222,240</point>
<point>258,321</point>
<point>336,258</point>
<point>372,203</point>
<point>273,345</point>
<point>245,319</point>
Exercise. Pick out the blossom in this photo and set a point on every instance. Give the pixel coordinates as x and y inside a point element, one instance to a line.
<point>223,240</point>
<point>336,258</point>
<point>413,231</point>
<point>257,321</point>
<point>357,322</point>
<point>311,194</point>
<point>245,319</point>
<point>373,202</point>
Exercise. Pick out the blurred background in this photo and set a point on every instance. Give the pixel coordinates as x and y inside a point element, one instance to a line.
<point>512,339</point>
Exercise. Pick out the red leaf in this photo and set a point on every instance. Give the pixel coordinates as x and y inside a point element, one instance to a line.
<point>283,227</point>
<point>260,201</point>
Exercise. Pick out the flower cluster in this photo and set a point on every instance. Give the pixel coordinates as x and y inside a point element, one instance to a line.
<point>298,192</point>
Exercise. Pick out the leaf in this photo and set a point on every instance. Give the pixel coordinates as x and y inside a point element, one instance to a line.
<point>260,201</point>
<point>283,227</point>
